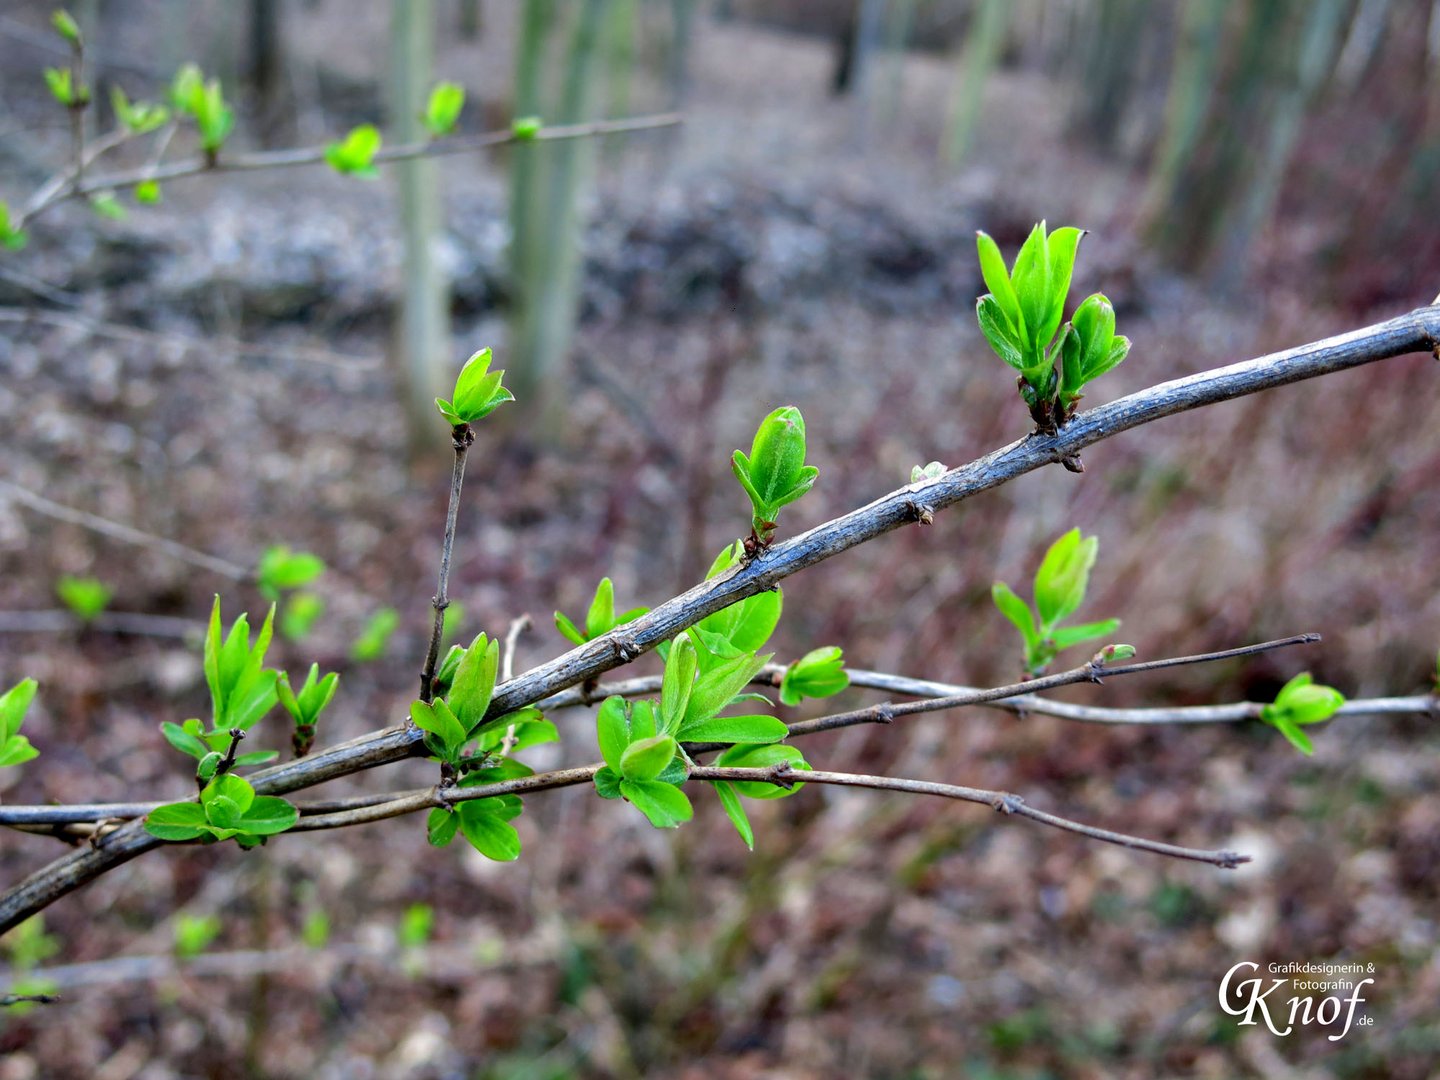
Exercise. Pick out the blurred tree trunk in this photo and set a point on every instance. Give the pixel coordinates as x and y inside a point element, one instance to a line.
<point>267,66</point>
<point>546,182</point>
<point>1292,97</point>
<point>683,25</point>
<point>1192,83</point>
<point>470,19</point>
<point>978,56</point>
<point>619,47</point>
<point>422,341</point>
<point>1108,51</point>
<point>890,83</point>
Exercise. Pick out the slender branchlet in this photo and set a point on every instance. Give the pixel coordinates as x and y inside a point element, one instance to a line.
<point>461,437</point>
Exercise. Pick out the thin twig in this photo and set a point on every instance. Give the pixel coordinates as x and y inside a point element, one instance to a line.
<point>1001,801</point>
<point>1093,672</point>
<point>512,636</point>
<point>1234,712</point>
<point>28,999</point>
<point>460,438</point>
<point>98,328</point>
<point>315,155</point>
<point>127,533</point>
<point>1418,331</point>
<point>507,672</point>
<point>58,620</point>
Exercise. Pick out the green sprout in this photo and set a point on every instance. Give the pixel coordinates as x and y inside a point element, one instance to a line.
<point>1021,315</point>
<point>478,392</point>
<point>774,473</point>
<point>1301,702</point>
<point>1060,586</point>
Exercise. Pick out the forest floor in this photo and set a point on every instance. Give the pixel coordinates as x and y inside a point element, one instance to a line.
<point>772,251</point>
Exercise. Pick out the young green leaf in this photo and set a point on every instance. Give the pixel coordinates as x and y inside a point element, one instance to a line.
<point>66,26</point>
<point>646,759</point>
<point>1060,249</point>
<point>442,110</point>
<point>371,643</point>
<point>281,569</point>
<point>730,800</point>
<point>268,815</point>
<point>105,205</point>
<point>679,681</point>
<point>997,280</point>
<point>139,118</point>
<point>735,729</point>
<point>354,155</point>
<point>820,673</point>
<point>478,392</point>
<point>607,783</point>
<point>601,616</point>
<point>619,723</point>
<point>933,471</point>
<point>63,88</point>
<point>147,192</point>
<point>1063,577</point>
<point>493,838</point>
<point>17,750</point>
<point>1016,610</point>
<point>299,615</point>
<point>183,740</point>
<point>213,117</point>
<point>12,238</point>
<point>526,128</point>
<point>441,826</point>
<point>1066,636</point>
<point>194,933</point>
<point>1301,702</point>
<point>177,821</point>
<point>714,690</point>
<point>664,804</point>
<point>445,735</point>
<point>1005,341</point>
<point>763,757</point>
<point>14,704</point>
<point>1030,276</point>
<point>474,682</point>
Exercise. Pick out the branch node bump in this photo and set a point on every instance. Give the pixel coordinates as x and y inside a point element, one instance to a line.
<point>922,513</point>
<point>1005,803</point>
<point>884,713</point>
<point>626,648</point>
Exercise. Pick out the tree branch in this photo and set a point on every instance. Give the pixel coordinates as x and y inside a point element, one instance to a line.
<point>127,533</point>
<point>461,436</point>
<point>70,187</point>
<point>1001,801</point>
<point>1419,331</point>
<point>1095,672</point>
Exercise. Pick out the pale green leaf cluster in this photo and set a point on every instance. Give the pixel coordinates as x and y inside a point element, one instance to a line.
<point>228,809</point>
<point>354,155</point>
<point>281,569</point>
<point>203,102</point>
<point>601,617</point>
<point>1059,590</point>
<point>820,673</point>
<point>15,749</point>
<point>1021,315</point>
<point>86,597</point>
<point>478,392</point>
<point>1301,702</point>
<point>774,473</point>
<point>442,109</point>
